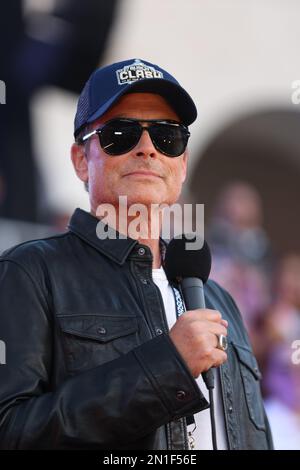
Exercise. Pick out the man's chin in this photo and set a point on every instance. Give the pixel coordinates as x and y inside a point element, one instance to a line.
<point>150,197</point>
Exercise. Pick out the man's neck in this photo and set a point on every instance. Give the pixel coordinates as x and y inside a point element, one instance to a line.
<point>155,250</point>
<point>147,232</point>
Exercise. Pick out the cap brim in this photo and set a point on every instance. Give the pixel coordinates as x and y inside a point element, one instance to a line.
<point>173,93</point>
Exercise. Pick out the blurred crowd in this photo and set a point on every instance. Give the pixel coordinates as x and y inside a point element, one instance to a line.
<point>267,290</point>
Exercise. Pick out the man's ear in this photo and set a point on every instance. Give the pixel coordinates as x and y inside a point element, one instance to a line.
<point>79,161</point>
<point>185,165</point>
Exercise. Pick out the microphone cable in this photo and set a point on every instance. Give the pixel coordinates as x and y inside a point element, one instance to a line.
<point>189,269</point>
<point>208,378</point>
<point>209,381</point>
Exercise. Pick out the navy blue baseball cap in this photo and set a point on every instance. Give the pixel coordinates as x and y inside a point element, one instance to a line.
<point>107,84</point>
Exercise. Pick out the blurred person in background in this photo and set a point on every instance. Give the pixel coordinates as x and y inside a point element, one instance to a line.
<point>282,374</point>
<point>241,252</point>
<point>17,165</point>
<point>236,228</point>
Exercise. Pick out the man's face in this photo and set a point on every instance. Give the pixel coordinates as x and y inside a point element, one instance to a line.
<point>143,174</point>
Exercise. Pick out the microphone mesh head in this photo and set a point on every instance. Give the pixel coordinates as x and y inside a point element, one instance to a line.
<point>184,258</point>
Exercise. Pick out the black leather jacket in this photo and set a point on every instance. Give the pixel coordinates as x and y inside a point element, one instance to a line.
<point>89,363</point>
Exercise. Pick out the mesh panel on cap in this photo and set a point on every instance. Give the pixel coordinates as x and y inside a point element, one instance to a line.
<point>82,113</point>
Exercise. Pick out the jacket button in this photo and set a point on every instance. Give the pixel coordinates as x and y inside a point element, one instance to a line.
<point>144,281</point>
<point>101,331</point>
<point>230,409</point>
<point>159,331</point>
<point>180,395</point>
<point>141,251</point>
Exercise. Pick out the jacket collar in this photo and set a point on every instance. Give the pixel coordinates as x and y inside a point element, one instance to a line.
<point>84,225</point>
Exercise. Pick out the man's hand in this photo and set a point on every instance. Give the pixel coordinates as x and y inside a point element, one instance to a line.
<point>194,335</point>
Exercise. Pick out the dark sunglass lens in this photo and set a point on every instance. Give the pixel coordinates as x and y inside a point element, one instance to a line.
<point>119,136</point>
<point>169,139</point>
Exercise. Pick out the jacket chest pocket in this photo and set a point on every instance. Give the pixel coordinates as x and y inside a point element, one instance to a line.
<point>92,339</point>
<point>251,377</point>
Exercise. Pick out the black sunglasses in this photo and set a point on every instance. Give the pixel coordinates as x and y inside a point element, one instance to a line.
<point>119,136</point>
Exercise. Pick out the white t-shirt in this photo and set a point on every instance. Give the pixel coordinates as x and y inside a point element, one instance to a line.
<point>202,433</point>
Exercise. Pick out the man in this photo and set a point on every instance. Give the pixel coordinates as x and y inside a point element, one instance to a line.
<point>96,358</point>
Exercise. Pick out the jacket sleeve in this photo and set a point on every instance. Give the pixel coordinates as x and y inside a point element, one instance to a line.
<point>118,402</point>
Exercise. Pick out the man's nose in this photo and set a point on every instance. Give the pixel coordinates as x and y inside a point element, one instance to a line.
<point>145,147</point>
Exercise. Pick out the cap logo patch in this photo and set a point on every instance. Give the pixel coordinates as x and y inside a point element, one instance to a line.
<point>136,71</point>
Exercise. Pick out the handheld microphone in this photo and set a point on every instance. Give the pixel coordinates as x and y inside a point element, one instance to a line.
<point>191,268</point>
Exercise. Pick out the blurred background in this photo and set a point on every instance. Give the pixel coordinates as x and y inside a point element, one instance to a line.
<point>240,62</point>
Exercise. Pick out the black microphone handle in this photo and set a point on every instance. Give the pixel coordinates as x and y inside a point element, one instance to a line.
<point>193,294</point>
